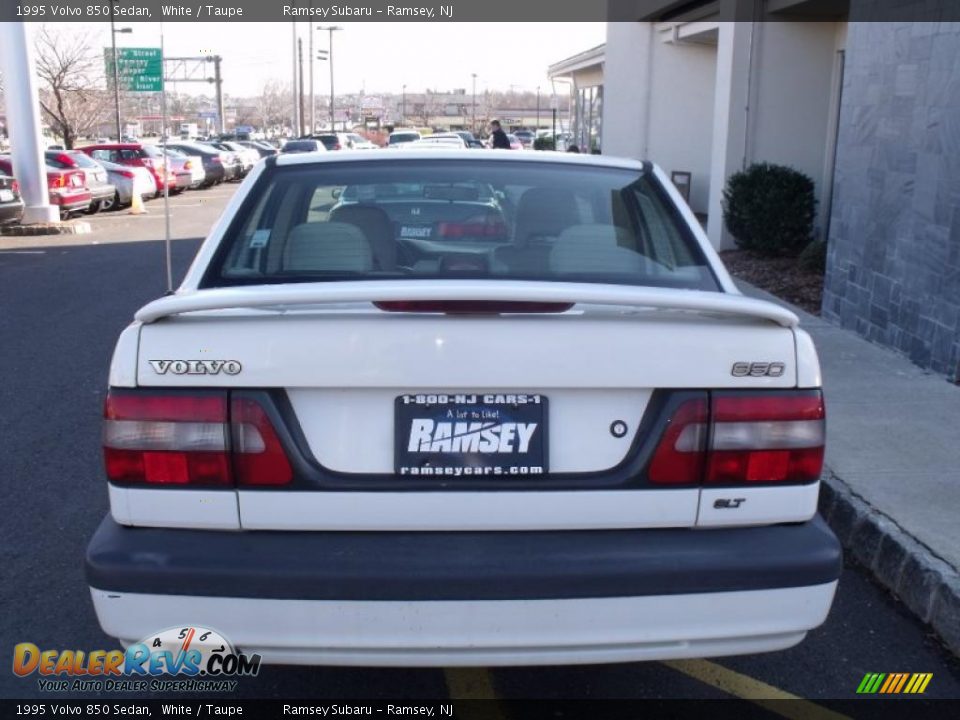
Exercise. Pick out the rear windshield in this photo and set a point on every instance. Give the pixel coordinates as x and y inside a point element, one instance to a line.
<point>396,138</point>
<point>300,146</point>
<point>83,161</point>
<point>425,219</point>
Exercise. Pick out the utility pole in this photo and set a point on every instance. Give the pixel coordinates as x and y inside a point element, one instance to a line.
<point>403,106</point>
<point>538,108</point>
<point>333,117</point>
<point>474,103</point>
<point>313,101</point>
<point>218,81</point>
<point>116,71</point>
<point>300,90</point>
<point>295,119</point>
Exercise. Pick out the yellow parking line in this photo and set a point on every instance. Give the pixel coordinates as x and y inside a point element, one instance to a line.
<point>748,688</point>
<point>469,684</point>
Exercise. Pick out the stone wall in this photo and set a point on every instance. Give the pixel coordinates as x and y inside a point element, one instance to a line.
<point>893,265</point>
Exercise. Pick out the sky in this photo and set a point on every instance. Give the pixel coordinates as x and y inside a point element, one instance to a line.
<point>374,57</point>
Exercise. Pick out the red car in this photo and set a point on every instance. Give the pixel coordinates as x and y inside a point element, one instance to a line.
<point>137,154</point>
<point>67,189</point>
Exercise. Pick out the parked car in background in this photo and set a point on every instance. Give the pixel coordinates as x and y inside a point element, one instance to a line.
<point>11,204</point>
<point>128,180</point>
<point>248,156</point>
<point>469,138</point>
<point>188,169</point>
<point>525,137</point>
<point>66,187</point>
<point>331,141</point>
<point>136,154</point>
<point>241,157</point>
<point>302,146</point>
<point>449,141</point>
<point>356,141</point>
<point>263,149</point>
<point>95,177</point>
<point>218,165</point>
<point>399,137</point>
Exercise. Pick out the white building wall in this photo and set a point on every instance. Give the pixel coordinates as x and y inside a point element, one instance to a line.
<point>680,130</point>
<point>792,96</point>
<point>626,89</point>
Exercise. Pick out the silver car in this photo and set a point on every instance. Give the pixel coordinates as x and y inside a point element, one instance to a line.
<point>128,180</point>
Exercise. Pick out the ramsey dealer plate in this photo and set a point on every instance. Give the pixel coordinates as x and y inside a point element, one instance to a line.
<point>464,434</point>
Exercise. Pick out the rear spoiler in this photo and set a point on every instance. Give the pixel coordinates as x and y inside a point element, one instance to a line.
<point>326,293</point>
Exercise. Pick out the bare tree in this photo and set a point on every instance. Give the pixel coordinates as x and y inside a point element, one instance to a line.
<point>273,104</point>
<point>71,73</point>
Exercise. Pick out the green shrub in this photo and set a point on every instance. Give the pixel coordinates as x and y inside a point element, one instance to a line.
<point>813,258</point>
<point>769,209</point>
<point>544,143</point>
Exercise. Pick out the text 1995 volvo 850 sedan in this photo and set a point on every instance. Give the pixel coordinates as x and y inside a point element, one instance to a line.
<point>462,409</point>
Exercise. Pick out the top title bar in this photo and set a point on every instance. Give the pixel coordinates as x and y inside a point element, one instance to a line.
<point>478,10</point>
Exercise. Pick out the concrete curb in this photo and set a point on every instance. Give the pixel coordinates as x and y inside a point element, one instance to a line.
<point>927,585</point>
<point>76,227</point>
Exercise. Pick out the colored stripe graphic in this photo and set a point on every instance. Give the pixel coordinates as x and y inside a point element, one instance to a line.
<point>894,683</point>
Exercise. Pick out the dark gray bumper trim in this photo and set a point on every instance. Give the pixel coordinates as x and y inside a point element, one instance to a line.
<point>459,565</point>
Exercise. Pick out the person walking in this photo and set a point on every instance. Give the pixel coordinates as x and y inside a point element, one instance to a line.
<point>498,138</point>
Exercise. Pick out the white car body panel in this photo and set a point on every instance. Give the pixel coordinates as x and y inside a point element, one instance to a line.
<point>165,507</point>
<point>466,511</point>
<point>483,633</point>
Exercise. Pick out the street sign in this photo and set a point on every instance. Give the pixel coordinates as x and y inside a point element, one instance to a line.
<point>138,69</point>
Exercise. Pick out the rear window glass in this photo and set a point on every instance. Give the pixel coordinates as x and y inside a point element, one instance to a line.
<point>83,161</point>
<point>402,138</point>
<point>300,146</point>
<point>459,219</point>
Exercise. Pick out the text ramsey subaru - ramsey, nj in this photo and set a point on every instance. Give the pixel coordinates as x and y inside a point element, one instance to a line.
<point>459,409</point>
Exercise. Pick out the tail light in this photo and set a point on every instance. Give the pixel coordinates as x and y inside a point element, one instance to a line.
<point>126,173</point>
<point>15,186</point>
<point>57,180</point>
<point>187,165</point>
<point>188,440</point>
<point>750,438</point>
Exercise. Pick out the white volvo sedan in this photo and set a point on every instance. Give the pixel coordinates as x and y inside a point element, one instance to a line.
<point>463,409</point>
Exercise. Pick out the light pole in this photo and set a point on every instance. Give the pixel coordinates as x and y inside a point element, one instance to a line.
<point>403,107</point>
<point>116,72</point>
<point>295,125</point>
<point>473,102</point>
<point>331,29</point>
<point>538,108</point>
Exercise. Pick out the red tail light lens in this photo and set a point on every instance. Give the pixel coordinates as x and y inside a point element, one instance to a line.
<point>754,438</point>
<point>479,229</point>
<point>15,186</point>
<point>259,458</point>
<point>471,307</point>
<point>56,180</point>
<point>166,439</point>
<point>766,438</point>
<point>126,173</point>
<point>190,440</point>
<point>680,455</point>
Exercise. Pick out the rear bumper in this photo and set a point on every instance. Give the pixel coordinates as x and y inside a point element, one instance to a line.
<point>11,211</point>
<point>475,597</point>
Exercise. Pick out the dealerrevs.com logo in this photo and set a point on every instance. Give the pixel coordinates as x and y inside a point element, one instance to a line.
<point>200,659</point>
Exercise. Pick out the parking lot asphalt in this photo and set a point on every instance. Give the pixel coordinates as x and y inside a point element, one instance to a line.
<point>64,305</point>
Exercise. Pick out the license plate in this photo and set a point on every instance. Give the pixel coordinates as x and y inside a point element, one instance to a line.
<point>416,231</point>
<point>470,435</point>
<point>6,195</point>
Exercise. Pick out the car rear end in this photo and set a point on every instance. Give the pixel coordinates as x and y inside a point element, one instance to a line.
<point>96,179</point>
<point>68,191</point>
<point>450,409</point>
<point>11,204</point>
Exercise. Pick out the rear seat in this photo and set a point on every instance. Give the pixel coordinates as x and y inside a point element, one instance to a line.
<point>327,247</point>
